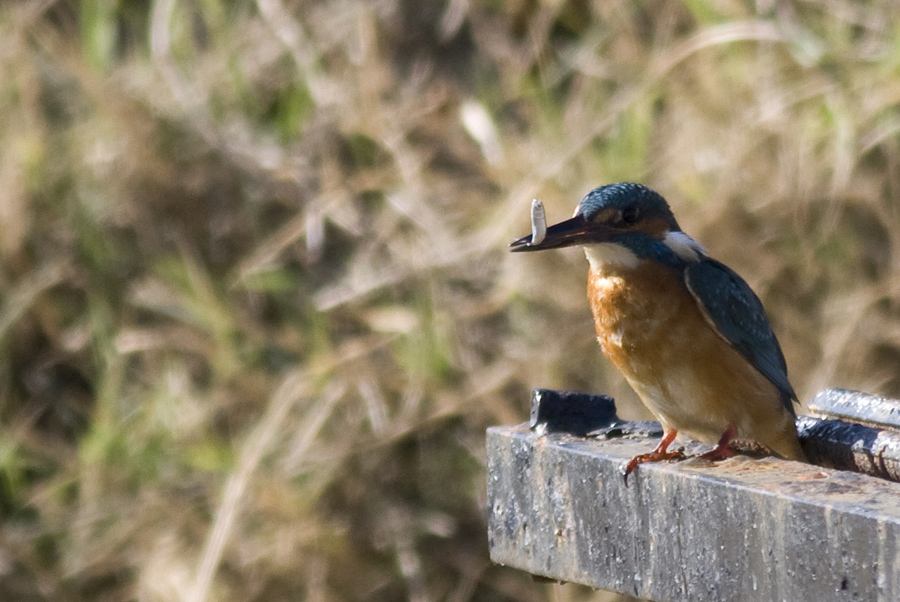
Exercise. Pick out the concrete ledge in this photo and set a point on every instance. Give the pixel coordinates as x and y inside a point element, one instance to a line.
<point>742,529</point>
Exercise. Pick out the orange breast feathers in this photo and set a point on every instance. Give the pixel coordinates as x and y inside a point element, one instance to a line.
<point>688,376</point>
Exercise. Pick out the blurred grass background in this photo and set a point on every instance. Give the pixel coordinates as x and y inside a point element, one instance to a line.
<point>256,309</point>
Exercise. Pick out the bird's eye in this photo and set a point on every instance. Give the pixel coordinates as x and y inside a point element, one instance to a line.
<point>630,215</point>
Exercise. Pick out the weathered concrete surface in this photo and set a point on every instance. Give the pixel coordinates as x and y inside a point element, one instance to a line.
<point>742,529</point>
<point>827,441</point>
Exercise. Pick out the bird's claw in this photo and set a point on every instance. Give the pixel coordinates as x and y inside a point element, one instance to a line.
<point>656,455</point>
<point>722,449</point>
<point>718,453</point>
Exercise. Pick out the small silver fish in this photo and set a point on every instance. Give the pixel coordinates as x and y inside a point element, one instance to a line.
<point>538,222</point>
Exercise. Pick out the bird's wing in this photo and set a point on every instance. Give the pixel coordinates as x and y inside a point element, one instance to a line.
<point>737,314</point>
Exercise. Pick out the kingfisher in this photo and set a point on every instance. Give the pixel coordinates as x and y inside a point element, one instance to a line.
<point>686,332</point>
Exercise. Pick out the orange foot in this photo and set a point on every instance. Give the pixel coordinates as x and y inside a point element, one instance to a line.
<point>722,449</point>
<point>657,455</point>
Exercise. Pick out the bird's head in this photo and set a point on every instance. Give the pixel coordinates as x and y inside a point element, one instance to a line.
<point>619,223</point>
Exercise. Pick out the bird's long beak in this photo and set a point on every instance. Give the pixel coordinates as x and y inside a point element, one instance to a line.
<point>573,231</point>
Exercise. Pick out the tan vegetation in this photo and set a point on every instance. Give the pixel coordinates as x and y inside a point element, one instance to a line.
<point>257,308</point>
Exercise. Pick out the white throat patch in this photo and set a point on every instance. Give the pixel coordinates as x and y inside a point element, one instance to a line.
<point>684,246</point>
<point>607,254</point>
